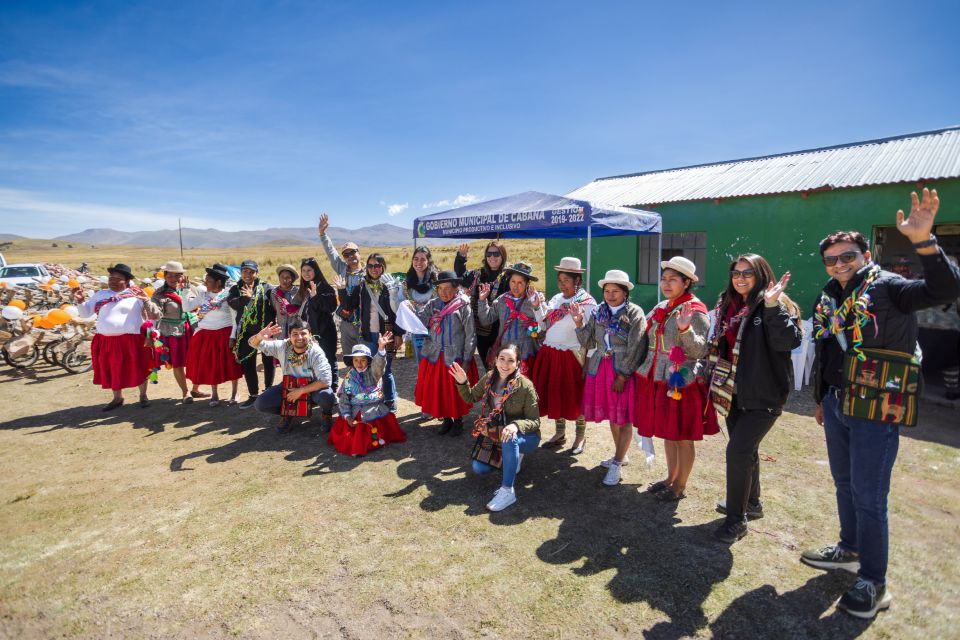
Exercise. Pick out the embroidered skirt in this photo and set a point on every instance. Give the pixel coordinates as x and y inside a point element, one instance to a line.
<point>689,418</point>
<point>558,377</point>
<point>364,437</point>
<point>436,392</point>
<point>120,362</point>
<point>601,402</point>
<point>210,359</point>
<point>176,347</point>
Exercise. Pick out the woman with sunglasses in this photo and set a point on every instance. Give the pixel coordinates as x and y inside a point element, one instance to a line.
<point>491,273</point>
<point>318,302</point>
<point>757,326</point>
<point>419,288</point>
<point>375,301</point>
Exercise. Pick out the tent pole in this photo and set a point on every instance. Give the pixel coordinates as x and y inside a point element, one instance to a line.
<point>659,259</point>
<point>589,254</point>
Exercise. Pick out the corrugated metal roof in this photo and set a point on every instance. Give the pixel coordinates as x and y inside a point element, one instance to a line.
<point>919,156</point>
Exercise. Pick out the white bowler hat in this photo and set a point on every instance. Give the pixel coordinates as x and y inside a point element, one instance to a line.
<point>569,264</point>
<point>681,265</point>
<point>615,276</point>
<point>360,350</point>
<point>172,266</point>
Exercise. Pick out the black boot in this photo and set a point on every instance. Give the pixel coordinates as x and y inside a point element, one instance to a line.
<point>457,429</point>
<point>445,427</point>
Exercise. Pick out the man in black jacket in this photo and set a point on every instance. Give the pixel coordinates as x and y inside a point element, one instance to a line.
<point>862,452</point>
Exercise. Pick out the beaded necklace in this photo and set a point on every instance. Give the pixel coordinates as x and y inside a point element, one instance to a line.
<point>828,319</point>
<point>297,359</point>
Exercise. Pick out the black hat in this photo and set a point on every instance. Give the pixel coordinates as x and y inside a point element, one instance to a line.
<point>121,268</point>
<point>525,269</point>
<point>249,264</point>
<point>448,276</point>
<point>219,272</point>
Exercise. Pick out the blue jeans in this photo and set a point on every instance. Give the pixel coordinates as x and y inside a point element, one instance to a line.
<point>389,384</point>
<point>861,453</point>
<point>511,457</point>
<point>269,401</point>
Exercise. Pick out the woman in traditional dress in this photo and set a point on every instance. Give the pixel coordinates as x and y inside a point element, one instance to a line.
<point>509,422</point>
<point>672,395</point>
<point>419,288</point>
<point>558,369</point>
<point>318,302</point>
<point>285,300</point>
<point>209,358</point>
<point>365,422</point>
<point>614,330</point>
<point>450,339</point>
<point>518,313</point>
<point>491,273</point>
<point>175,299</point>
<point>120,357</point>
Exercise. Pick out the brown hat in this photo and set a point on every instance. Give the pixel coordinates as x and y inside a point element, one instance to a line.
<point>288,267</point>
<point>349,245</point>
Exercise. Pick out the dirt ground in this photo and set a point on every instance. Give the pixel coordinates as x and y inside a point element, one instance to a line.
<point>192,521</point>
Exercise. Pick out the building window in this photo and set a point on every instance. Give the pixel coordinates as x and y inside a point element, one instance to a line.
<point>692,245</point>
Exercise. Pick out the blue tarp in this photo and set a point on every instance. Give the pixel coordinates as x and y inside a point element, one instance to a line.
<point>536,215</point>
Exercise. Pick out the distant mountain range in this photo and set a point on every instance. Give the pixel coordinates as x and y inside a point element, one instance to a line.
<point>378,235</point>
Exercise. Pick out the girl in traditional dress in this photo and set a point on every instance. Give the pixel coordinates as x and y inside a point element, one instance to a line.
<point>558,369</point>
<point>419,288</point>
<point>509,422</point>
<point>120,358</point>
<point>365,422</point>
<point>209,358</point>
<point>491,273</point>
<point>450,339</point>
<point>672,395</point>
<point>518,313</point>
<point>614,330</point>
<point>318,302</point>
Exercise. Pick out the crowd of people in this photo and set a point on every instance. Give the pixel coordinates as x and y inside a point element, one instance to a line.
<point>669,373</point>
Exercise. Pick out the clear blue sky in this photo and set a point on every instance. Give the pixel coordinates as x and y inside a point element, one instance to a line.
<point>241,115</point>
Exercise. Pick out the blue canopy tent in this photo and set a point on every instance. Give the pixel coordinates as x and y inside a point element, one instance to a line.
<point>538,215</point>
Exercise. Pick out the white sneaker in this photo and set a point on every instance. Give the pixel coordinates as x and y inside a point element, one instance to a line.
<point>519,462</point>
<point>606,463</point>
<point>613,475</point>
<point>502,499</point>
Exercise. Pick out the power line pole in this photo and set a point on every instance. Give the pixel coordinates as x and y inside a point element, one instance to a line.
<point>180,230</point>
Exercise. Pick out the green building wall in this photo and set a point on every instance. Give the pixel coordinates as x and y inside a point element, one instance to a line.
<point>784,228</point>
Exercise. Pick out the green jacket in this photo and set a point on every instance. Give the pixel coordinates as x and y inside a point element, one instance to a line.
<point>519,409</point>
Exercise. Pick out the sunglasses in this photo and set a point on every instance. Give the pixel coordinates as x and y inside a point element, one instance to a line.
<point>307,261</point>
<point>374,265</point>
<point>745,274</point>
<point>493,254</point>
<point>349,252</point>
<point>846,258</point>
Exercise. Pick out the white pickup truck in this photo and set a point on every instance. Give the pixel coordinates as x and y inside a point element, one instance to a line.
<point>24,274</point>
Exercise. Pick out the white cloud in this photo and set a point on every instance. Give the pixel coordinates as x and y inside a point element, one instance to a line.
<point>460,201</point>
<point>397,209</point>
<point>38,215</point>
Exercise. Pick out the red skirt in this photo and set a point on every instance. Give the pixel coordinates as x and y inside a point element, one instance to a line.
<point>689,418</point>
<point>436,392</point>
<point>120,362</point>
<point>210,359</point>
<point>176,350</point>
<point>558,377</point>
<point>359,439</point>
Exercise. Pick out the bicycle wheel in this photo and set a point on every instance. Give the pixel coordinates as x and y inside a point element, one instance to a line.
<point>26,360</point>
<point>51,353</point>
<point>77,359</point>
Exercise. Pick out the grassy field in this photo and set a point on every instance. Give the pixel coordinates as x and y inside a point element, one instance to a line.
<point>186,521</point>
<point>146,260</point>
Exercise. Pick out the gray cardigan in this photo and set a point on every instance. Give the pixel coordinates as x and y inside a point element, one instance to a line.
<point>458,338</point>
<point>693,341</point>
<point>370,408</point>
<point>625,353</point>
<point>488,313</point>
